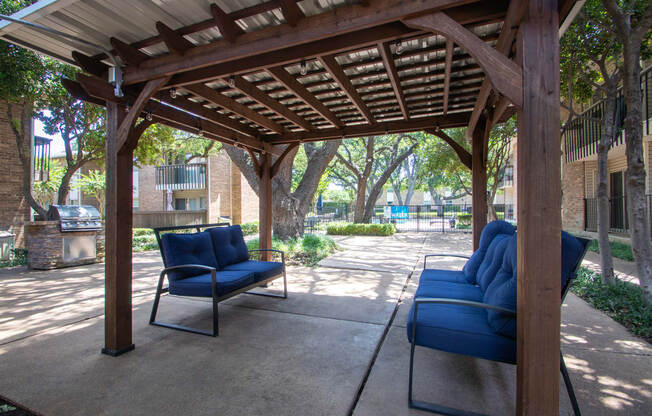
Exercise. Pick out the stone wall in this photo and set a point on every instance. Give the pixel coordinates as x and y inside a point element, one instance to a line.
<point>572,201</point>
<point>45,245</point>
<point>218,202</point>
<point>14,209</point>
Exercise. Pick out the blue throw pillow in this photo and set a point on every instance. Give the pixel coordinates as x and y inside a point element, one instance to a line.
<point>502,292</point>
<point>229,245</point>
<point>492,262</point>
<point>488,233</point>
<point>195,248</point>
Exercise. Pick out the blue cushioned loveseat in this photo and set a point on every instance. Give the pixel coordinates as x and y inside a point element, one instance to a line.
<point>473,311</point>
<point>214,263</point>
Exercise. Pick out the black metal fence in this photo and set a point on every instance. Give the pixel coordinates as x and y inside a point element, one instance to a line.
<point>413,218</point>
<point>618,217</point>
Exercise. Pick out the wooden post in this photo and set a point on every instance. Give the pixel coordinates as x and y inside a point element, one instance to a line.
<point>118,229</point>
<point>265,205</point>
<point>539,213</point>
<point>479,179</point>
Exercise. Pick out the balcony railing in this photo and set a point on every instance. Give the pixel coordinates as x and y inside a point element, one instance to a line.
<point>618,218</point>
<point>181,177</point>
<point>581,135</point>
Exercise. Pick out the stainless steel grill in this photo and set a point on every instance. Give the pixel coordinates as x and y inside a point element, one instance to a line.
<point>76,217</point>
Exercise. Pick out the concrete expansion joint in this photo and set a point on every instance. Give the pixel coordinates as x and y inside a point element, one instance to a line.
<point>636,354</point>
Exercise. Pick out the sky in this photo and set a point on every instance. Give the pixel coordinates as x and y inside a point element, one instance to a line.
<point>56,146</point>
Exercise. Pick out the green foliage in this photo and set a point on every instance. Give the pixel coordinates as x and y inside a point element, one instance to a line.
<point>464,220</point>
<point>618,250</point>
<point>144,240</point>
<point>18,258</point>
<point>161,144</point>
<point>45,192</point>
<point>347,228</point>
<point>249,228</point>
<point>623,301</point>
<point>94,183</point>
<point>307,250</point>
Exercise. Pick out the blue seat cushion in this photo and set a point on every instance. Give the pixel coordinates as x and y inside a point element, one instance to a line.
<point>229,245</point>
<point>488,233</point>
<point>451,290</point>
<point>492,261</point>
<point>261,269</point>
<point>195,248</point>
<point>461,330</point>
<point>455,276</point>
<point>227,281</point>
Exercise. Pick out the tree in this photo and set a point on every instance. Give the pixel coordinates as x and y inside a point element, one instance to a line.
<point>591,60</point>
<point>80,124</point>
<point>94,183</point>
<point>406,177</point>
<point>21,76</point>
<point>631,21</point>
<point>500,139</point>
<point>291,202</point>
<point>366,164</point>
<point>45,192</point>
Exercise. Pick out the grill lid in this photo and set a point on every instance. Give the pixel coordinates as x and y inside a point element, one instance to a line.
<point>76,217</point>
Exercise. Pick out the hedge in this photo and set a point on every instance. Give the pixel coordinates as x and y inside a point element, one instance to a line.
<point>347,228</point>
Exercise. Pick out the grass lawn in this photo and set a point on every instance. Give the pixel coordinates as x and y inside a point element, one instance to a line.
<point>618,250</point>
<point>307,250</point>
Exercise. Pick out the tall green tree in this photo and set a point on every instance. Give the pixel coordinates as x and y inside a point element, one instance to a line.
<point>631,20</point>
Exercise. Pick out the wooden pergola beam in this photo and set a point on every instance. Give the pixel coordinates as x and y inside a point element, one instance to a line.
<point>291,12</point>
<point>232,105</point>
<point>176,43</point>
<point>226,24</point>
<point>262,98</point>
<point>129,55</point>
<point>463,154</point>
<point>321,26</point>
<point>450,45</point>
<point>281,75</point>
<point>392,73</point>
<point>345,84</point>
<point>91,65</point>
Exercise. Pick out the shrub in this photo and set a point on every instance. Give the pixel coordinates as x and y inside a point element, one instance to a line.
<point>307,250</point>
<point>464,219</point>
<point>18,258</point>
<point>249,228</point>
<point>347,228</point>
<point>144,240</point>
<point>623,301</point>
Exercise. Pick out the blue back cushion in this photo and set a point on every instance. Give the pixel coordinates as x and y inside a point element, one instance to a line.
<point>502,290</point>
<point>181,249</point>
<point>492,261</point>
<point>229,245</point>
<point>488,233</point>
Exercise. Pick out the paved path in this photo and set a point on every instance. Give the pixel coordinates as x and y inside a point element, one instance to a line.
<point>336,346</point>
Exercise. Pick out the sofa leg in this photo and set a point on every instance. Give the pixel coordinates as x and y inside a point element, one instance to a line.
<point>431,407</point>
<point>569,385</point>
<point>216,322</point>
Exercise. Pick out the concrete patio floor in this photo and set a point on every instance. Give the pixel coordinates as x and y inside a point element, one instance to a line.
<point>336,346</point>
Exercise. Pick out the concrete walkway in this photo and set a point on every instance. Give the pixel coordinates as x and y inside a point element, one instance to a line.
<point>336,346</point>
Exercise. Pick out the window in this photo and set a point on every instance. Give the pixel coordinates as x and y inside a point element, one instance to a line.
<point>390,196</point>
<point>180,204</point>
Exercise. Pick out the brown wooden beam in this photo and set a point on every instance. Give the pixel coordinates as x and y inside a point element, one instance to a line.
<point>91,65</point>
<point>129,54</point>
<point>176,43</point>
<point>504,74</point>
<point>262,98</point>
<point>479,179</point>
<point>390,67</point>
<point>279,160</point>
<point>226,24</point>
<point>265,206</point>
<point>235,107</point>
<point>255,162</point>
<point>291,12</point>
<point>450,45</point>
<point>345,84</point>
<point>290,82</point>
<point>321,26</point>
<point>539,214</point>
<point>463,154</point>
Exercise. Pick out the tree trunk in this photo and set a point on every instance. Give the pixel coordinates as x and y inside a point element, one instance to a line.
<point>64,187</point>
<point>492,215</point>
<point>636,200</point>
<point>24,150</point>
<point>360,198</point>
<point>606,136</point>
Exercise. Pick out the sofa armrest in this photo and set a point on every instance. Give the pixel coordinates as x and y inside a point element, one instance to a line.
<point>272,250</point>
<point>210,269</point>
<point>425,258</point>
<point>462,302</point>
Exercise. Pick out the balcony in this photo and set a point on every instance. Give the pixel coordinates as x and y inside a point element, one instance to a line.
<point>581,136</point>
<point>181,177</point>
<point>41,159</point>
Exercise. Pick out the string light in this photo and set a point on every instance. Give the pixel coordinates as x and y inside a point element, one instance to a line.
<point>148,116</point>
<point>232,81</point>
<point>399,47</point>
<point>173,93</point>
<point>304,67</point>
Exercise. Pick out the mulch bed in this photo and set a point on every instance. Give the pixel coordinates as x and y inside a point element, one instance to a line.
<point>9,408</point>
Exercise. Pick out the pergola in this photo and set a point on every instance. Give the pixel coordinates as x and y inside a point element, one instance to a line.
<point>268,75</point>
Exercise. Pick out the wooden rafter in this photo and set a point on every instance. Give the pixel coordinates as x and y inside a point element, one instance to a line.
<point>291,12</point>
<point>392,73</point>
<point>345,84</point>
<point>450,45</point>
<point>505,75</point>
<point>91,65</point>
<point>128,54</point>
<point>324,25</point>
<point>232,105</point>
<point>175,42</point>
<point>255,162</point>
<point>226,24</point>
<point>261,97</point>
<point>281,75</point>
<point>279,160</point>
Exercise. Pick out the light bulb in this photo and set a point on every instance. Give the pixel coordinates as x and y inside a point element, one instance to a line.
<point>173,93</point>
<point>148,116</point>
<point>304,68</point>
<point>399,47</point>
